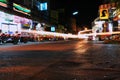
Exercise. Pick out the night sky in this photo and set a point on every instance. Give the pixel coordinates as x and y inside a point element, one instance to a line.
<point>88,9</point>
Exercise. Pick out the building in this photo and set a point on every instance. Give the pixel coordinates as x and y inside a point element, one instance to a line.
<point>23,14</point>
<point>38,11</point>
<point>108,19</point>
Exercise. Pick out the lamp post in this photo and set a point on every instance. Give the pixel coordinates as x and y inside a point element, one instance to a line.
<point>73,22</point>
<point>75,13</point>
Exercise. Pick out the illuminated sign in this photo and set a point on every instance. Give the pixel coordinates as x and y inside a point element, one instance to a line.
<point>43,6</point>
<point>21,9</point>
<point>3,3</point>
<point>9,17</point>
<point>104,14</point>
<point>52,28</point>
<point>26,23</point>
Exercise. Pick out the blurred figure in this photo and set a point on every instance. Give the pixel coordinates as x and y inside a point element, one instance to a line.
<point>0,36</point>
<point>16,37</point>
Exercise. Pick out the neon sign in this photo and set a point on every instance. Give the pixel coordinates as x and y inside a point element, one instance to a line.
<point>43,6</point>
<point>21,9</point>
<point>3,3</point>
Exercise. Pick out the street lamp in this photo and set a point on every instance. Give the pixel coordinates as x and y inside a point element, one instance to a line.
<point>75,13</point>
<point>73,22</point>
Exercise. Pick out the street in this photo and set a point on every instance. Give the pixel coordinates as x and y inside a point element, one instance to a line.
<point>62,60</point>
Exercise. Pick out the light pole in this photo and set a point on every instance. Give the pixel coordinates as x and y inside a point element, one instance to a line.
<point>73,22</point>
<point>75,13</point>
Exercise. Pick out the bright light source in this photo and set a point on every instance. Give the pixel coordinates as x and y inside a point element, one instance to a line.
<point>43,6</point>
<point>119,16</point>
<point>74,13</point>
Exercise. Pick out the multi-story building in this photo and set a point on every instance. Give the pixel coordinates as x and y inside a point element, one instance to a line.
<point>18,14</point>
<point>109,17</point>
<point>36,10</point>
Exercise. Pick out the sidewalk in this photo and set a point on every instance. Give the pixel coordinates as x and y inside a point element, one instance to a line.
<point>28,43</point>
<point>19,44</point>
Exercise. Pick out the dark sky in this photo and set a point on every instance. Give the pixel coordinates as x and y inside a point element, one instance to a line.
<point>88,9</point>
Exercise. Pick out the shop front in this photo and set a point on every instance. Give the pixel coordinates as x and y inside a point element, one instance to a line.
<point>8,24</point>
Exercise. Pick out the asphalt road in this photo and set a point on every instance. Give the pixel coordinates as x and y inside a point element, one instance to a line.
<point>64,60</point>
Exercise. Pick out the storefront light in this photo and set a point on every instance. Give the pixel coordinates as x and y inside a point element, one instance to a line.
<point>21,9</point>
<point>3,3</point>
<point>119,16</point>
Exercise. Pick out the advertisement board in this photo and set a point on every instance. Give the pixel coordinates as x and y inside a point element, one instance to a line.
<point>26,23</point>
<point>43,6</point>
<point>104,14</point>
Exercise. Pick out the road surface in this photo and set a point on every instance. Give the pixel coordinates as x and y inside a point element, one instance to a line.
<point>64,60</point>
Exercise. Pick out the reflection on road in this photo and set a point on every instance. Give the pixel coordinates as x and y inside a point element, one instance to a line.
<point>70,60</point>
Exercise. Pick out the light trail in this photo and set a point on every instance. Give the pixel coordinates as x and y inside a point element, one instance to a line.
<point>54,34</point>
<point>104,33</point>
<point>84,31</point>
<point>83,36</point>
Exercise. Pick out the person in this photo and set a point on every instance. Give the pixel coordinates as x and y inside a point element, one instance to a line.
<point>16,38</point>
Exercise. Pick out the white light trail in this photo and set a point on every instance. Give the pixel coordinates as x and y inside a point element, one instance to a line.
<point>55,34</point>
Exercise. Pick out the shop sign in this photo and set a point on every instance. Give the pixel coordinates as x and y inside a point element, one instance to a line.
<point>52,28</point>
<point>104,14</point>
